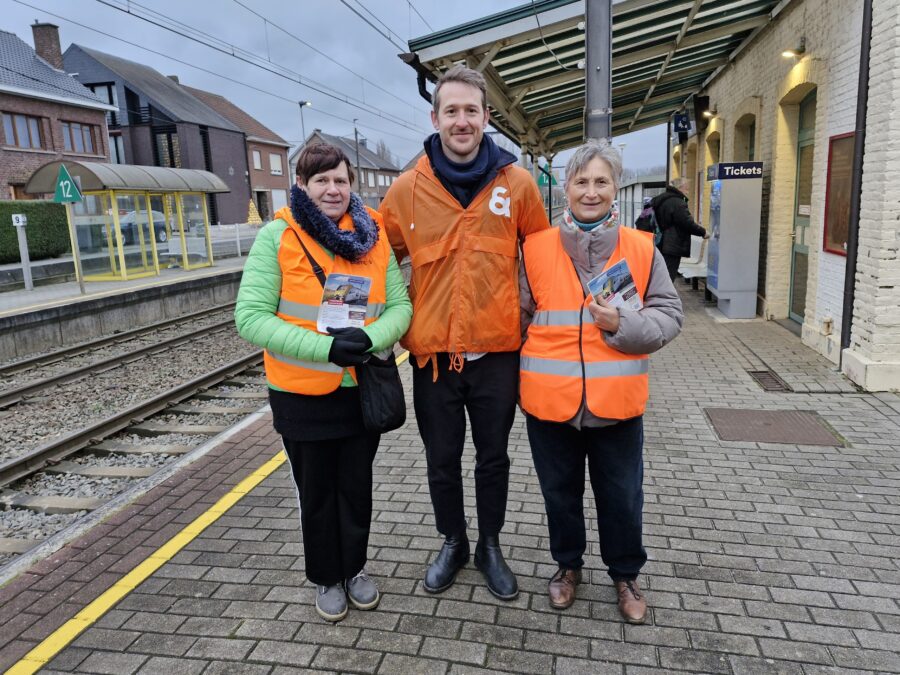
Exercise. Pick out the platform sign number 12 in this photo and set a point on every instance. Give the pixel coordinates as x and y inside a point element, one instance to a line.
<point>66,189</point>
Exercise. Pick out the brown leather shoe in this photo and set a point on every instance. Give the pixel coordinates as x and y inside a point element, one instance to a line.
<point>632,603</point>
<point>562,588</point>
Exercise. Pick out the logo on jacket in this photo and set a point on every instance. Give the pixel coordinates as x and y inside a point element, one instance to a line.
<point>499,202</point>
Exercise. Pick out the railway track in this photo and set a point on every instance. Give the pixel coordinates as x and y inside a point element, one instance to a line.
<point>56,356</point>
<point>75,439</point>
<point>84,454</point>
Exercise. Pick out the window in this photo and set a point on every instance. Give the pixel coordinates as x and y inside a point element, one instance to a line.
<point>837,192</point>
<point>22,131</point>
<point>168,150</point>
<point>78,137</point>
<point>381,180</point>
<point>371,176</point>
<point>257,160</point>
<point>275,163</point>
<point>116,149</point>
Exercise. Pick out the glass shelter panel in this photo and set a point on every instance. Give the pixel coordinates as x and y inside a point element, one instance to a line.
<point>195,246</point>
<point>96,238</point>
<point>137,241</point>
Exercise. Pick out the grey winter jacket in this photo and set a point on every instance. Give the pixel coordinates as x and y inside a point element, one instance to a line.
<point>640,332</point>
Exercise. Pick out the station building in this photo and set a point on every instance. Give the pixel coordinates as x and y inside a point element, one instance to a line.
<point>789,99</point>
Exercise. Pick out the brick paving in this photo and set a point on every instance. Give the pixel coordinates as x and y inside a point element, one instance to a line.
<point>764,558</point>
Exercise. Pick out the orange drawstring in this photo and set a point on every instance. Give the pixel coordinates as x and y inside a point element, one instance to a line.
<point>456,362</point>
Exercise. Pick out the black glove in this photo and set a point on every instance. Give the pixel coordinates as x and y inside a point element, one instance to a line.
<point>344,353</point>
<point>356,336</point>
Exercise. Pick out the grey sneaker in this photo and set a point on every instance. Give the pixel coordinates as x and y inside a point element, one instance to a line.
<point>331,602</point>
<point>362,591</point>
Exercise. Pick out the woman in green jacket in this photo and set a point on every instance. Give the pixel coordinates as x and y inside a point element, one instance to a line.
<point>284,307</point>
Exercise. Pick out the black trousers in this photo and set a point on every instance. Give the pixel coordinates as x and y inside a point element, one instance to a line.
<point>673,262</point>
<point>334,482</point>
<point>486,389</point>
<point>616,467</point>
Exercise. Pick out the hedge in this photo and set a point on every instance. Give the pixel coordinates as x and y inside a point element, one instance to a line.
<point>47,230</point>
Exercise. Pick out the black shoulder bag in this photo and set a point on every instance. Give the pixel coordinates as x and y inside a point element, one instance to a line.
<point>380,389</point>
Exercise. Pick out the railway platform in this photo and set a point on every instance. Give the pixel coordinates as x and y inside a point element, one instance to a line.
<point>772,522</point>
<point>59,314</point>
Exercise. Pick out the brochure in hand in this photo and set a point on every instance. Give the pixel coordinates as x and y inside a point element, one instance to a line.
<point>616,286</point>
<point>344,301</point>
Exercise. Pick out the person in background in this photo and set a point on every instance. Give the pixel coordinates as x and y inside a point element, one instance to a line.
<point>584,375</point>
<point>677,225</point>
<point>311,376</point>
<point>460,215</point>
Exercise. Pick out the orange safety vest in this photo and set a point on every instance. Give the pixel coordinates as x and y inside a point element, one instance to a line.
<point>565,359</point>
<point>301,296</point>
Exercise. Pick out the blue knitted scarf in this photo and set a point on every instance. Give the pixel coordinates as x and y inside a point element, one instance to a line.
<point>352,244</point>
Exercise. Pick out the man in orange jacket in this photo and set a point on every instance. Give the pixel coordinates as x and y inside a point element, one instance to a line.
<point>460,215</point>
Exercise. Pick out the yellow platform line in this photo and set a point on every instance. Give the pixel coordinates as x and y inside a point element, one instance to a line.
<point>38,657</point>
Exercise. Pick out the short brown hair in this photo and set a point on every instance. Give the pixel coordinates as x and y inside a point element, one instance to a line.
<point>462,75</point>
<point>321,157</point>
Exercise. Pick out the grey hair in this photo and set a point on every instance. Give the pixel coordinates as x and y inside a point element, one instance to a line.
<point>589,150</point>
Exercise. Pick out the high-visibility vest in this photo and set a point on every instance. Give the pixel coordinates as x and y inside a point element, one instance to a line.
<point>565,359</point>
<point>301,297</point>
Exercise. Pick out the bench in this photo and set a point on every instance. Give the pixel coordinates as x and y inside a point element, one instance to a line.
<point>694,268</point>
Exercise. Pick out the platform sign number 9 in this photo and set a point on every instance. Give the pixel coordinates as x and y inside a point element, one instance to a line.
<point>19,220</point>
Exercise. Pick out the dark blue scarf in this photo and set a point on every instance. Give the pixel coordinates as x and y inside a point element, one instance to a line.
<point>465,181</point>
<point>352,244</point>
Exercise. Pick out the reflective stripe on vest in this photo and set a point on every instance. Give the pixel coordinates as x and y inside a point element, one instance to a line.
<point>565,360</point>
<point>535,364</point>
<point>301,297</point>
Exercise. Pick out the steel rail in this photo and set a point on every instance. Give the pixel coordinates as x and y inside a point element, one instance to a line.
<point>59,354</point>
<point>16,394</point>
<point>61,448</point>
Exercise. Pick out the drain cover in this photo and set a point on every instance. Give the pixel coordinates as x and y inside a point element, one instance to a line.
<point>797,427</point>
<point>769,380</point>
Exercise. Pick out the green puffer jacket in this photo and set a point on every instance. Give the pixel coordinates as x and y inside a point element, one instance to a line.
<point>260,292</point>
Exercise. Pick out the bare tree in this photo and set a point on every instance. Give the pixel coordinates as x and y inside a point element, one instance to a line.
<point>382,150</point>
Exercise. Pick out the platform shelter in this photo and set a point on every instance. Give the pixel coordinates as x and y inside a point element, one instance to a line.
<point>134,220</point>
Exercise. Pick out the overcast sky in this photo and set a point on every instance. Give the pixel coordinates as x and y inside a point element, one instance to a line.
<point>356,61</point>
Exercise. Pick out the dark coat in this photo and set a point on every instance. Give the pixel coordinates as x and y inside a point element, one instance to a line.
<point>676,223</point>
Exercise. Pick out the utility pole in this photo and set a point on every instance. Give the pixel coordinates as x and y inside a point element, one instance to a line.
<point>356,138</point>
<point>303,104</point>
<point>598,69</point>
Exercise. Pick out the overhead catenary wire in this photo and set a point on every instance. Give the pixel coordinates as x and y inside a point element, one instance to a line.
<point>292,101</point>
<point>321,53</point>
<point>252,59</point>
<point>418,14</point>
<point>387,36</point>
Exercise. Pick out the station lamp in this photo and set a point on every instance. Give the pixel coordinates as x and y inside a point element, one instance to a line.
<point>799,50</point>
<point>710,113</point>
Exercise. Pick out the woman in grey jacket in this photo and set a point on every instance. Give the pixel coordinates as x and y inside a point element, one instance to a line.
<point>584,375</point>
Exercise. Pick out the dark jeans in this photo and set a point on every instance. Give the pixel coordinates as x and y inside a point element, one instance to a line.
<point>616,467</point>
<point>334,482</point>
<point>673,262</point>
<point>486,389</point>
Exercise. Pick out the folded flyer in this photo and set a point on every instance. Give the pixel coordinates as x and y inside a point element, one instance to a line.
<point>344,301</point>
<point>616,286</point>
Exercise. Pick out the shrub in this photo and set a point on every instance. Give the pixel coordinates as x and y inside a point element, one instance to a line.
<point>47,230</point>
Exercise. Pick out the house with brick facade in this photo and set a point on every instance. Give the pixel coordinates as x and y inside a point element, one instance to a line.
<point>159,123</point>
<point>266,154</point>
<point>46,114</point>
<point>376,172</point>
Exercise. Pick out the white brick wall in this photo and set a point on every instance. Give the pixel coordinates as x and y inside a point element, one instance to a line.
<point>873,357</point>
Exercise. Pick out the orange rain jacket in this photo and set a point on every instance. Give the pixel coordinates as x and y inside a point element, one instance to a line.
<point>565,359</point>
<point>301,296</point>
<point>464,285</point>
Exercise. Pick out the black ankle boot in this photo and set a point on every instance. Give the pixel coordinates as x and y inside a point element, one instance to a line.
<point>489,560</point>
<point>454,554</point>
